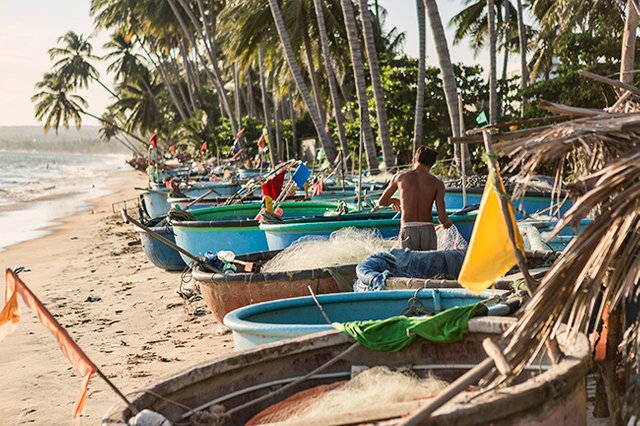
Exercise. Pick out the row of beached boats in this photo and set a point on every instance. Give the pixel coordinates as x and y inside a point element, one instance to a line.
<point>289,353</point>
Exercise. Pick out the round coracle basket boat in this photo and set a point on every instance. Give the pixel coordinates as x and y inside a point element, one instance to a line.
<point>235,388</point>
<point>225,292</point>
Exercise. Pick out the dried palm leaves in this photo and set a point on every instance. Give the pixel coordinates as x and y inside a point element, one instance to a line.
<point>606,252</point>
<point>584,145</point>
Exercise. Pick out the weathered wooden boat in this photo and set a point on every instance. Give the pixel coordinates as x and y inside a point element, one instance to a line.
<point>544,394</point>
<point>226,292</point>
<point>160,254</point>
<point>282,235</point>
<point>268,322</point>
<point>234,227</point>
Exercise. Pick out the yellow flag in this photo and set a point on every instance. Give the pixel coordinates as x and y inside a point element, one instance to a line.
<point>490,253</point>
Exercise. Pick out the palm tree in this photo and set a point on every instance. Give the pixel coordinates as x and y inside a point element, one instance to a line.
<point>419,113</point>
<point>299,80</point>
<point>265,107</point>
<point>331,78</point>
<point>522,44</point>
<point>448,78</point>
<point>361,86</point>
<point>55,105</point>
<point>629,43</point>
<point>73,61</point>
<point>493,71</point>
<point>376,84</point>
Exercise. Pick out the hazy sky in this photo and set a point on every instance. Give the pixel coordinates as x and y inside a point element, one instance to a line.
<point>28,28</point>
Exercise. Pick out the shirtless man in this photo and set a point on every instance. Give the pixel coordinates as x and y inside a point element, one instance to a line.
<point>418,191</point>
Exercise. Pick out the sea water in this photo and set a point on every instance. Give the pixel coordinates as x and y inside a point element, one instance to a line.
<point>37,189</point>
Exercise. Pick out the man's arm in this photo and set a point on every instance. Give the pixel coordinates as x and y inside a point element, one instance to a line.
<point>386,199</point>
<point>443,218</point>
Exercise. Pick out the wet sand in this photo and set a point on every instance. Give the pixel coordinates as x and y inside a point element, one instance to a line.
<point>139,331</point>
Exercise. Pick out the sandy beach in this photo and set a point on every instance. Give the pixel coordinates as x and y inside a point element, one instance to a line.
<point>139,330</point>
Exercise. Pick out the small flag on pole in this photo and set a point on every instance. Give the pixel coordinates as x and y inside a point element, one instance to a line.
<point>482,119</point>
<point>264,139</point>
<point>203,148</point>
<point>153,141</point>
<point>172,149</point>
<point>10,317</point>
<point>490,253</point>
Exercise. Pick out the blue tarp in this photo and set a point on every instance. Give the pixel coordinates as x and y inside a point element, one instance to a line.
<point>373,271</point>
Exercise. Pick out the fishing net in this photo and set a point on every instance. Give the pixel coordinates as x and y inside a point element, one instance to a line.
<point>450,238</point>
<point>377,385</point>
<point>345,246</point>
<point>533,239</point>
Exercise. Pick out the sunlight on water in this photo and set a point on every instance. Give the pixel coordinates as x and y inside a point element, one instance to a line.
<point>37,189</point>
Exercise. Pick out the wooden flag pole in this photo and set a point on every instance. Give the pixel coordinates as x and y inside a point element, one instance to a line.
<point>531,282</point>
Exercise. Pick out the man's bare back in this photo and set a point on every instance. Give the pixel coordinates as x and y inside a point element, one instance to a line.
<point>419,189</point>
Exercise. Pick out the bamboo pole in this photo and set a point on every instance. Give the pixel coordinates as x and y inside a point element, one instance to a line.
<point>463,154</point>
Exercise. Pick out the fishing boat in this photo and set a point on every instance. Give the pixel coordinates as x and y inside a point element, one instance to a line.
<point>282,235</point>
<point>160,254</point>
<point>543,394</point>
<point>155,199</point>
<point>234,227</point>
<point>192,203</point>
<point>532,202</point>
<point>225,292</point>
<point>268,322</point>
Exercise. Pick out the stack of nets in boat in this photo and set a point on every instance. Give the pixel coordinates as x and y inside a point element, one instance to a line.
<point>345,246</point>
<point>373,387</point>
<point>450,238</point>
<point>532,237</point>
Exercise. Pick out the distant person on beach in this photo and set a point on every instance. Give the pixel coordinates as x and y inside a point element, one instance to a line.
<point>419,189</point>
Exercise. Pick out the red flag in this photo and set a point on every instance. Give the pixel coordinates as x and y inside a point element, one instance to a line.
<point>154,141</point>
<point>273,186</point>
<point>261,142</point>
<point>317,188</point>
<point>203,148</point>
<point>10,316</point>
<point>172,149</point>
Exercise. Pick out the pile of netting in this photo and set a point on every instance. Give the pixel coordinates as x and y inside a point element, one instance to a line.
<point>450,238</point>
<point>378,385</point>
<point>532,237</point>
<point>345,246</point>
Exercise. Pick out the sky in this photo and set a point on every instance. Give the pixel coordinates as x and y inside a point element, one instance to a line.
<point>28,28</point>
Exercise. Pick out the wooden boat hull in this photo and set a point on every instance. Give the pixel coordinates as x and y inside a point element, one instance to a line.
<point>233,228</point>
<point>226,292</point>
<point>278,320</point>
<point>554,397</point>
<point>160,254</point>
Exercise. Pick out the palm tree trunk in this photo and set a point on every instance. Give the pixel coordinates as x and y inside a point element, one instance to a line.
<point>376,83</point>
<point>448,77</point>
<point>361,85</point>
<point>276,120</point>
<point>419,113</point>
<point>127,145</point>
<point>206,37</point>
<point>111,92</point>
<point>313,78</point>
<point>112,124</point>
<point>627,63</point>
<point>493,71</point>
<point>522,40</point>
<point>302,86</point>
<point>333,89</point>
<point>187,72</point>
<point>265,107</point>
<point>294,134</point>
<point>505,23</point>
<point>250,95</point>
<point>166,82</point>
<point>173,67</point>
<point>236,94</point>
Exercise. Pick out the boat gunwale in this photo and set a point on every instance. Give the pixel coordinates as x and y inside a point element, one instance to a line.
<point>213,279</point>
<point>556,380</point>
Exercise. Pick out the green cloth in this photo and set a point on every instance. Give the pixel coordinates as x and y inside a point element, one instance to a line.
<point>396,333</point>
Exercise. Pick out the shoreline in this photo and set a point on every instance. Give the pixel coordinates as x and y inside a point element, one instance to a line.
<point>139,330</point>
